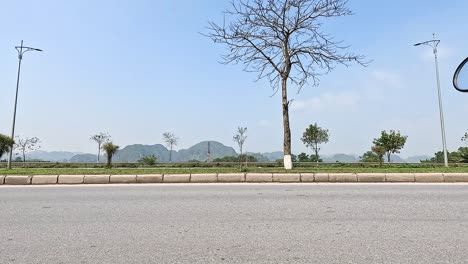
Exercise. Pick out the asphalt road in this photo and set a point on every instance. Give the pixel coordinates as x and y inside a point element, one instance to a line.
<point>240,223</point>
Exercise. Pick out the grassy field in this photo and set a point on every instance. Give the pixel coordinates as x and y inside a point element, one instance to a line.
<point>330,168</point>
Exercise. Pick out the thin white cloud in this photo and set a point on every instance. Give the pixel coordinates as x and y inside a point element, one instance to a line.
<point>443,52</point>
<point>385,77</point>
<point>264,123</point>
<point>327,101</point>
<point>379,83</point>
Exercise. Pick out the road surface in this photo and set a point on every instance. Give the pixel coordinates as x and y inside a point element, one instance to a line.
<point>235,223</point>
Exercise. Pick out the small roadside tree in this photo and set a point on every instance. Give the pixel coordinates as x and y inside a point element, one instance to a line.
<point>240,138</point>
<point>453,157</point>
<point>100,139</point>
<point>380,153</point>
<point>293,158</point>
<point>463,154</point>
<point>303,157</point>
<point>110,149</point>
<point>171,141</point>
<point>392,142</point>
<point>148,160</point>
<point>26,144</point>
<point>313,137</point>
<point>465,139</point>
<point>283,41</point>
<point>369,156</point>
<point>6,144</point>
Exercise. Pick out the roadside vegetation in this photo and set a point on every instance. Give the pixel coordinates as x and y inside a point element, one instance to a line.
<point>177,168</point>
<point>6,144</point>
<point>110,149</point>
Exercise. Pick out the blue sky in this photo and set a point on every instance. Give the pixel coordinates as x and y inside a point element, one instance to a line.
<point>139,68</point>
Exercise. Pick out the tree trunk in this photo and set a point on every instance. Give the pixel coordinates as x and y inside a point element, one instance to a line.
<point>98,152</point>
<point>389,157</point>
<point>170,154</point>
<point>109,160</point>
<point>316,154</point>
<point>240,159</point>
<point>287,129</point>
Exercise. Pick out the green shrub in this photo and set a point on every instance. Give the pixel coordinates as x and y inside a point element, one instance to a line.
<point>148,160</point>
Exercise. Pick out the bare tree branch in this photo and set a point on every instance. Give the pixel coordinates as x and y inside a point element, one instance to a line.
<point>283,39</point>
<point>26,144</point>
<point>170,140</point>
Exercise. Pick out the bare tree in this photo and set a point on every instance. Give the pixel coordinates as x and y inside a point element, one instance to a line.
<point>26,144</point>
<point>240,138</point>
<point>283,41</point>
<point>171,140</point>
<point>100,139</point>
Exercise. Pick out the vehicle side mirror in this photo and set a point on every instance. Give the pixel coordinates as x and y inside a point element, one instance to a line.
<point>460,79</point>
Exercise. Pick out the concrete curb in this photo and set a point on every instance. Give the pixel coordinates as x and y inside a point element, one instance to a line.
<point>176,178</point>
<point>70,179</point>
<point>400,177</point>
<point>456,177</point>
<point>150,178</point>
<point>17,180</point>
<point>204,178</point>
<point>279,177</point>
<point>238,178</point>
<point>231,177</point>
<point>259,177</point>
<point>96,179</point>
<point>429,177</point>
<point>44,179</point>
<point>321,177</point>
<point>307,177</point>
<point>342,177</point>
<point>123,179</point>
<point>371,177</point>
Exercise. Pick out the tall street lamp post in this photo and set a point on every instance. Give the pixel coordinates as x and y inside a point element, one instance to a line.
<point>433,44</point>
<point>21,50</point>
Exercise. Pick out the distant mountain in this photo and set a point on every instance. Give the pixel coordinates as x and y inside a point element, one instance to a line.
<point>345,158</point>
<point>340,158</point>
<point>199,152</point>
<point>84,158</point>
<point>259,156</point>
<point>59,156</point>
<point>396,159</point>
<point>274,156</point>
<point>417,159</point>
<point>133,153</point>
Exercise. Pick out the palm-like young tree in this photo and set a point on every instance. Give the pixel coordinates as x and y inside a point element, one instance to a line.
<point>110,149</point>
<point>6,144</point>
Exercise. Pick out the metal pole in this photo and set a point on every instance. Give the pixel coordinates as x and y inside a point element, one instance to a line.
<point>20,58</point>
<point>442,122</point>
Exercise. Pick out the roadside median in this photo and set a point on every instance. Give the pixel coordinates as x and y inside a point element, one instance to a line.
<point>237,178</point>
